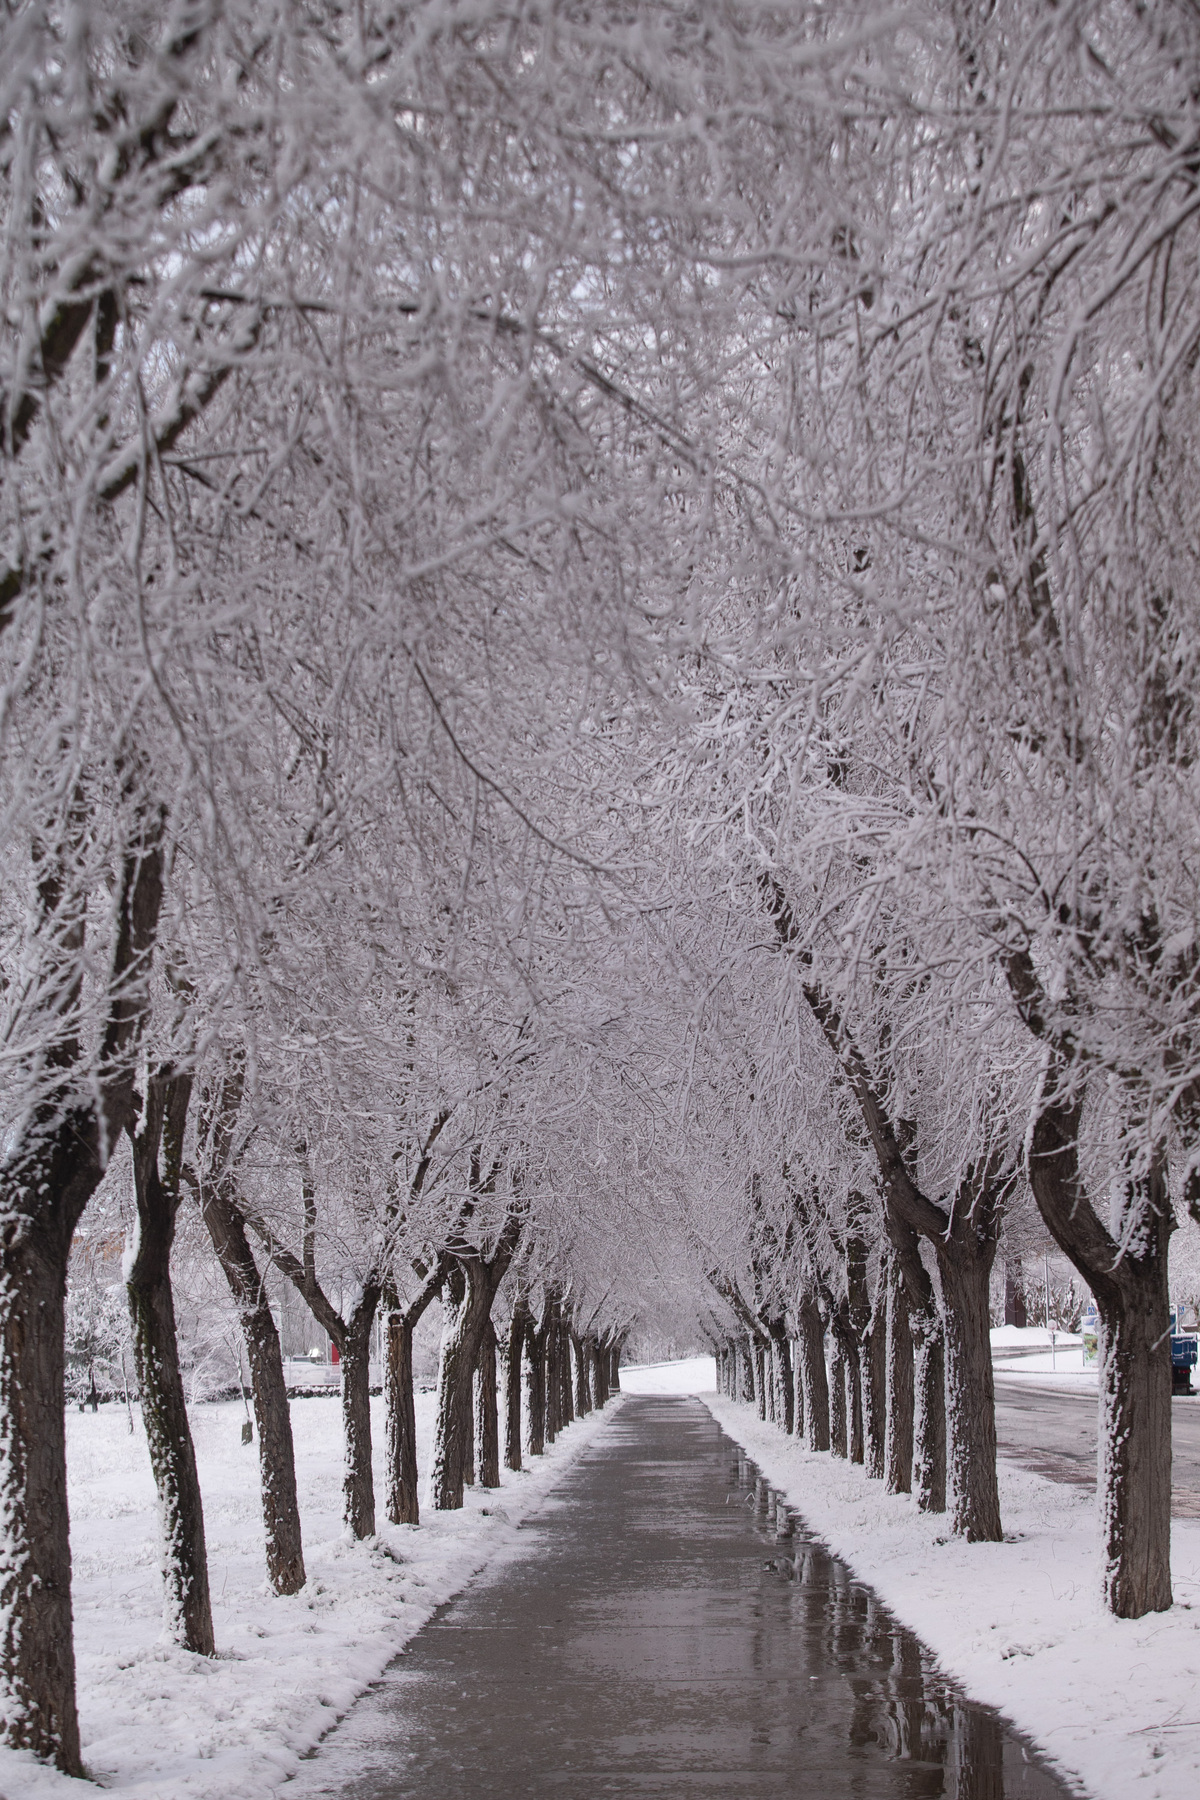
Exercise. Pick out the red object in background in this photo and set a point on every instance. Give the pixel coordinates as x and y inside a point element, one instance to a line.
<point>334,1357</point>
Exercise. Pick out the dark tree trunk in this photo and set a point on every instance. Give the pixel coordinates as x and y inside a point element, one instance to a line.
<point>186,1606</point>
<point>1016,1311</point>
<point>929,1454</point>
<point>403,1503</point>
<point>798,1412</point>
<point>276,1453</point>
<point>874,1380</point>
<point>467,1306</point>
<point>1130,1287</point>
<point>552,1339</point>
<point>518,1330</point>
<point>781,1375</point>
<point>47,1177</point>
<point>746,1359</point>
<point>965,1261</point>
<point>486,1411</point>
<point>838,1424</point>
<point>583,1375</point>
<point>815,1379</point>
<point>614,1382</point>
<point>567,1404</point>
<point>898,1450</point>
<point>535,1388</point>
<point>759,1361</point>
<point>358,1484</point>
<point>601,1368</point>
<point>38,1697</point>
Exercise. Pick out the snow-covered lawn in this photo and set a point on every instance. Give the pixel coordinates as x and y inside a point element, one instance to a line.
<point>164,1725</point>
<point>1032,1350</point>
<point>1111,1701</point>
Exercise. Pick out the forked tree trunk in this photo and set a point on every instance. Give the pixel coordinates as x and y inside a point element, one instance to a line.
<point>929,1378</point>
<point>487,1446</point>
<point>358,1482</point>
<point>187,1610</point>
<point>811,1339</point>
<point>272,1416</point>
<point>898,1449</point>
<point>518,1329</point>
<point>47,1176</point>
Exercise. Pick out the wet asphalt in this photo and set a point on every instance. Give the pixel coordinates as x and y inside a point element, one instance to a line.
<point>666,1628</point>
<point>1053,1431</point>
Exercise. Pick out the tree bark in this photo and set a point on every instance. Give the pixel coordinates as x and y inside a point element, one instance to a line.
<point>898,1448</point>
<point>874,1383</point>
<point>965,1262</point>
<point>781,1377</point>
<point>929,1378</point>
<point>187,1610</point>
<point>798,1411</point>
<point>486,1411</point>
<point>838,1424</point>
<point>276,1452</point>
<point>551,1336</point>
<point>518,1330</point>
<point>600,1372</point>
<point>535,1387</point>
<point>811,1337</point>
<point>358,1483</point>
<point>403,1501</point>
<point>615,1378</point>
<point>583,1375</point>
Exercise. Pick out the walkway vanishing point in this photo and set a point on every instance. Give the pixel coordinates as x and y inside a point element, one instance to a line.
<point>668,1630</point>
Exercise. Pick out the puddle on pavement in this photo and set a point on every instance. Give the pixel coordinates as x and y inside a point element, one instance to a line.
<point>666,1627</point>
<point>902,1705</point>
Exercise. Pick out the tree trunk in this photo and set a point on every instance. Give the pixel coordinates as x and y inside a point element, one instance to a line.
<point>187,1611</point>
<point>966,1263</point>
<point>36,1650</point>
<point>874,1384</point>
<point>815,1379</point>
<point>781,1376</point>
<point>798,1412</point>
<point>518,1329</point>
<point>1135,1445</point>
<point>759,1360</point>
<point>614,1382</point>
<point>403,1503</point>
<point>567,1403</point>
<point>898,1449</point>
<point>535,1388</point>
<point>488,1441</point>
<point>929,1456</point>
<point>601,1368</point>
<point>1015,1310</point>
<point>838,1436</point>
<point>358,1484</point>
<point>583,1376</point>
<point>467,1310</point>
<point>276,1452</point>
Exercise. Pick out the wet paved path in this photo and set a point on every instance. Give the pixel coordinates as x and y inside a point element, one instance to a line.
<point>665,1630</point>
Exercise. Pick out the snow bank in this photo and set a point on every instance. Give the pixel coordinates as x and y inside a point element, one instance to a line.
<point>1110,1701</point>
<point>1029,1337</point>
<point>161,1724</point>
<point>691,1375</point>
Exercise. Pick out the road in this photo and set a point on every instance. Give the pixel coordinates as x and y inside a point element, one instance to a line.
<point>1053,1430</point>
<point>666,1629</point>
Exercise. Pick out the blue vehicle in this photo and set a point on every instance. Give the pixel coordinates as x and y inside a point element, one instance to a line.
<point>1185,1349</point>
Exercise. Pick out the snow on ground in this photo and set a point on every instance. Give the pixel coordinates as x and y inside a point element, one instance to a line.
<point>1020,1624</point>
<point>1032,1350</point>
<point>693,1375</point>
<point>160,1724</point>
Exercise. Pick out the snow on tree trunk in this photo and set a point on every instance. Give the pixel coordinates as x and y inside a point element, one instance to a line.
<point>798,1409</point>
<point>781,1378</point>
<point>567,1402</point>
<point>761,1384</point>
<point>898,1446</point>
<point>456,1368</point>
<point>617,1352</point>
<point>929,1430</point>
<point>487,1445</point>
<point>553,1383</point>
<point>602,1369</point>
<point>583,1375</point>
<point>874,1384</point>
<point>535,1390</point>
<point>276,1452</point>
<point>1135,1447</point>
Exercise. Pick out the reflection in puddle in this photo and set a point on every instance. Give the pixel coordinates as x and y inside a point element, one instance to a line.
<point>902,1704</point>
